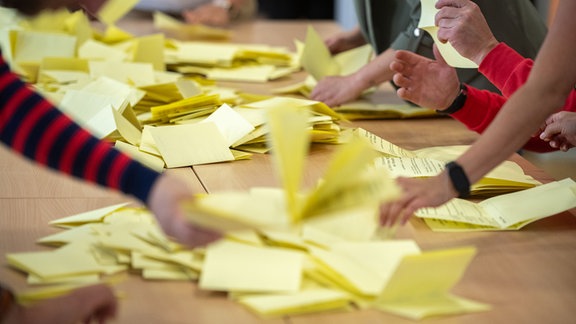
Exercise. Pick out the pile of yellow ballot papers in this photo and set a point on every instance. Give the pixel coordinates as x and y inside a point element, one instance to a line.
<point>505,212</point>
<point>335,263</point>
<point>427,162</point>
<point>116,85</point>
<point>286,251</point>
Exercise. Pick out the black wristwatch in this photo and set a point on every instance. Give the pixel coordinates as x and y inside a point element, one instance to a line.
<point>459,179</point>
<point>458,103</point>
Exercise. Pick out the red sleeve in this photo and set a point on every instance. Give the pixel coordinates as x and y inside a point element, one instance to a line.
<point>480,108</point>
<point>506,69</point>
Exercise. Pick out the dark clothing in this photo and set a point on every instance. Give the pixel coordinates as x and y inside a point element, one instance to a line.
<point>297,9</point>
<point>393,24</point>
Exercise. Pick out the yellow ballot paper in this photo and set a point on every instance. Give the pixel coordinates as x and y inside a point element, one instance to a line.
<point>505,212</point>
<point>87,217</point>
<point>112,10</point>
<point>302,302</point>
<point>426,162</point>
<point>230,211</point>
<point>232,266</point>
<point>449,53</point>
<point>316,58</point>
<point>362,185</point>
<point>362,268</point>
<point>420,286</point>
<point>289,142</point>
<point>203,143</point>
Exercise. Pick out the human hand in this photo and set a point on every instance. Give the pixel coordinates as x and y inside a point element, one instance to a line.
<point>462,23</point>
<point>87,304</point>
<point>416,193</point>
<point>344,41</point>
<point>165,201</point>
<point>560,130</point>
<point>208,14</point>
<point>336,90</point>
<point>425,82</point>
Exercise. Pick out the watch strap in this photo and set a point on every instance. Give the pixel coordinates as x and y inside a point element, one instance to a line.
<point>458,102</point>
<point>459,179</point>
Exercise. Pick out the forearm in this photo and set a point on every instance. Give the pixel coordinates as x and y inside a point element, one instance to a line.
<point>377,71</point>
<point>32,126</point>
<point>549,84</point>
<point>509,131</point>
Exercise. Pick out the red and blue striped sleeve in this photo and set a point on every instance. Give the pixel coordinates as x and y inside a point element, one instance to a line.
<point>32,126</point>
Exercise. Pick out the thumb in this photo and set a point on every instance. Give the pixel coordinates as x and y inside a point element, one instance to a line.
<point>438,55</point>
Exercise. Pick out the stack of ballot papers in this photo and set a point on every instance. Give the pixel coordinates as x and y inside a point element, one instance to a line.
<point>505,212</point>
<point>430,161</point>
<point>335,263</point>
<point>117,86</point>
<point>285,251</point>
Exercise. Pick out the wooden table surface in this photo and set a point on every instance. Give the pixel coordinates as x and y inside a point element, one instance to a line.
<point>528,276</point>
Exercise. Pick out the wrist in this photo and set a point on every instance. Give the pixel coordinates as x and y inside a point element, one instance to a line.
<point>458,179</point>
<point>458,101</point>
<point>482,53</point>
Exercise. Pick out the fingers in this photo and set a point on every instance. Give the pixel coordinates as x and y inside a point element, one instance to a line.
<point>550,131</point>
<point>406,57</point>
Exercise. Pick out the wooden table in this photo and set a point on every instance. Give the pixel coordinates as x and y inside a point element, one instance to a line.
<point>528,276</point>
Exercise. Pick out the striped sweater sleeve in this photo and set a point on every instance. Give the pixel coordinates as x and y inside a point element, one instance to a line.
<point>32,126</point>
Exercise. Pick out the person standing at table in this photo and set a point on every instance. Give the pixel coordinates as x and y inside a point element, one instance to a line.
<point>218,13</point>
<point>434,84</point>
<point>549,84</point>
<point>390,25</point>
<point>33,127</point>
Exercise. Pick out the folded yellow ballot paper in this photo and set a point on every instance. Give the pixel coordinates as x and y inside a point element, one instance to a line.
<point>505,212</point>
<point>426,162</point>
<point>302,302</point>
<point>316,58</point>
<point>449,53</point>
<point>389,109</point>
<point>421,283</point>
